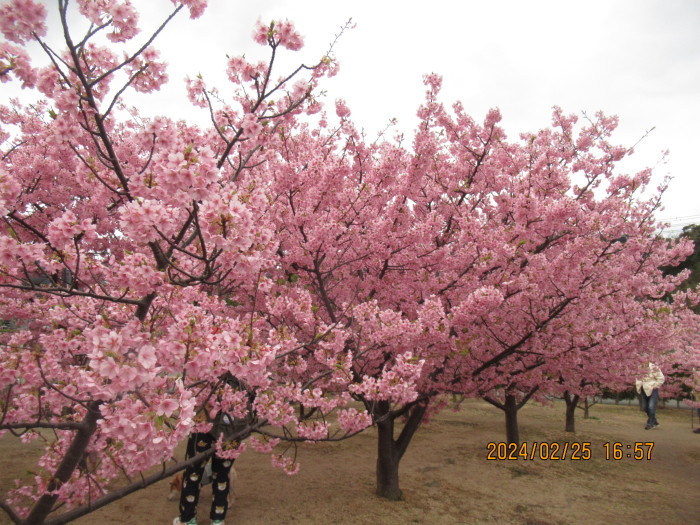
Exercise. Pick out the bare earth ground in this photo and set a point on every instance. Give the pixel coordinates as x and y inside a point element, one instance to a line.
<point>446,478</point>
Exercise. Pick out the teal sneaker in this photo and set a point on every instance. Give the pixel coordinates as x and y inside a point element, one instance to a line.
<point>177,521</point>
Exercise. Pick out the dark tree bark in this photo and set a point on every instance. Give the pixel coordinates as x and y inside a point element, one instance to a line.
<point>77,450</point>
<point>73,456</point>
<point>110,497</point>
<point>390,450</point>
<point>571,403</point>
<point>586,406</point>
<point>510,408</point>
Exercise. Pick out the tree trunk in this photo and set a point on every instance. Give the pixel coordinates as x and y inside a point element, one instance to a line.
<point>387,462</point>
<point>76,451</point>
<point>389,450</point>
<point>510,408</point>
<point>571,402</point>
<point>586,406</point>
<point>73,456</point>
<point>138,484</point>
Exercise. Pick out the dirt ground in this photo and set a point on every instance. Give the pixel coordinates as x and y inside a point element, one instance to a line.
<point>446,478</point>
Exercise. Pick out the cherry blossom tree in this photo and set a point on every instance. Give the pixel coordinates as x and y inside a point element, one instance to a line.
<point>345,231</point>
<point>477,255</point>
<point>374,232</point>
<point>607,354</point>
<point>591,259</point>
<point>618,315</point>
<point>136,260</point>
<point>277,265</point>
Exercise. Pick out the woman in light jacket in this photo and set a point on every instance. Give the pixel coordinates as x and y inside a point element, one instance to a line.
<point>648,388</point>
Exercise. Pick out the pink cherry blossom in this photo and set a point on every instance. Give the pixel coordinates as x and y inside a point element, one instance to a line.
<point>289,273</point>
<point>21,19</point>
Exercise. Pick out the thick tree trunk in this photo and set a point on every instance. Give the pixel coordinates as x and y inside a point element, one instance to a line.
<point>571,402</point>
<point>387,462</point>
<point>73,456</point>
<point>389,450</point>
<point>510,408</point>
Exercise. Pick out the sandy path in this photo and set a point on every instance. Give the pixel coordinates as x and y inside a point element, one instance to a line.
<point>446,478</point>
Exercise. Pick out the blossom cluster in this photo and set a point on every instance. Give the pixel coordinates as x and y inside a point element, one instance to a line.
<point>21,19</point>
<point>280,32</point>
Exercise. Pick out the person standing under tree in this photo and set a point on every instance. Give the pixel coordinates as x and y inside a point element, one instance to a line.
<point>192,481</point>
<point>648,389</point>
<point>231,430</point>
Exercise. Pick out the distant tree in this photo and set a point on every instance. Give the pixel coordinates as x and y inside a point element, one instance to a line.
<point>691,263</point>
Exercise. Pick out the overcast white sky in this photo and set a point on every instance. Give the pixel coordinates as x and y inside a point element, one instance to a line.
<point>639,59</point>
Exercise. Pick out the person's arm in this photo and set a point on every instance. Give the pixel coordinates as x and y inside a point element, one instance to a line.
<point>658,377</point>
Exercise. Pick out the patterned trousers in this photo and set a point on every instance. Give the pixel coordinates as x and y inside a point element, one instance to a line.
<point>191,480</point>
